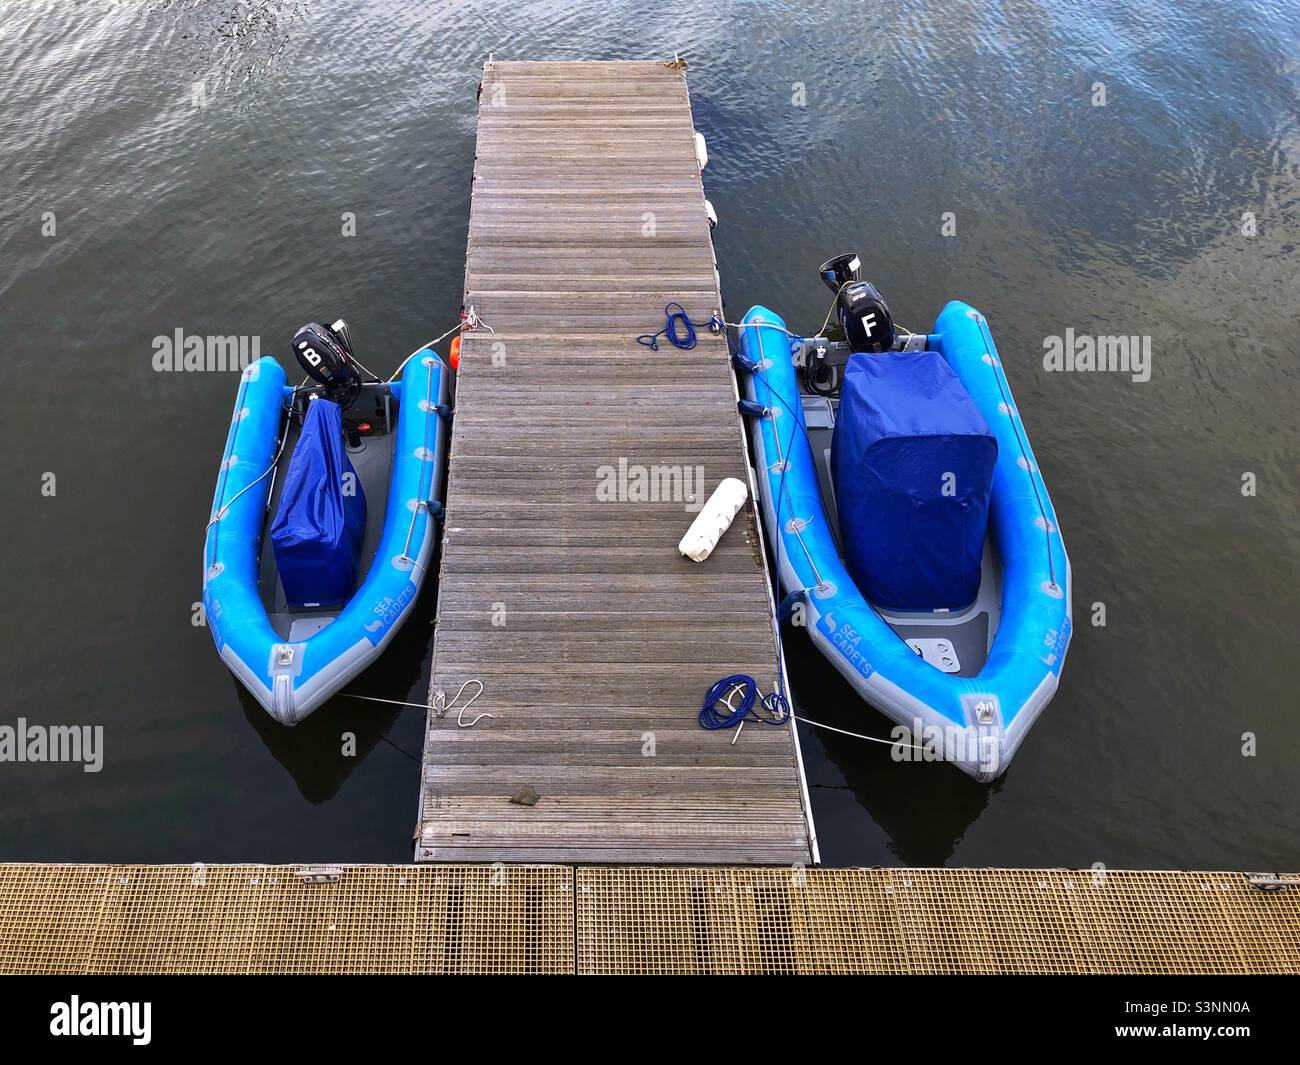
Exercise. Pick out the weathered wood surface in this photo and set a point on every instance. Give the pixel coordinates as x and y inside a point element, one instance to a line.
<point>595,640</point>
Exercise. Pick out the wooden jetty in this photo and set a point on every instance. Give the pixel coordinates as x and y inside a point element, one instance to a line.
<point>561,587</point>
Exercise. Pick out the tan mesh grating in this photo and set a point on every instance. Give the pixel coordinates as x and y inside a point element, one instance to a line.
<point>751,920</point>
<point>267,919</point>
<point>522,918</point>
<point>48,916</point>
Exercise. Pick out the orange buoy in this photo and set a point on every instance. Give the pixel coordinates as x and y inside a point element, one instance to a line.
<point>455,352</point>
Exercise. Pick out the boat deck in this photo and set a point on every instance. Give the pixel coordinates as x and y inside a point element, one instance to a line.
<point>594,638</point>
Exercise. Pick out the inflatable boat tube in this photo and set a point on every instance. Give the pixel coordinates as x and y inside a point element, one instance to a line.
<point>292,677</point>
<point>977,721</point>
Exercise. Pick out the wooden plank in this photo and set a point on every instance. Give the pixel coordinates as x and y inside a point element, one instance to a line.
<point>594,639</point>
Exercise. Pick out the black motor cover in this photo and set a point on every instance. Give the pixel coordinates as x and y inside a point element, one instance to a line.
<point>865,317</point>
<point>324,358</point>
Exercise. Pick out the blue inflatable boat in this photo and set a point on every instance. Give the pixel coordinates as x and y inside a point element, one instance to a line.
<point>913,533</point>
<point>323,522</point>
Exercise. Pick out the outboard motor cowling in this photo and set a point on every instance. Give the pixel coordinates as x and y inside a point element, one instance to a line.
<point>864,316</point>
<point>859,307</point>
<point>325,356</point>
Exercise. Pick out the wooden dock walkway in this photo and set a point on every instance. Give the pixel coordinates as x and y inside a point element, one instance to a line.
<point>594,639</point>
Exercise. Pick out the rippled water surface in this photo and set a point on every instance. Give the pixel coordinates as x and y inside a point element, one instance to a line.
<point>1171,210</point>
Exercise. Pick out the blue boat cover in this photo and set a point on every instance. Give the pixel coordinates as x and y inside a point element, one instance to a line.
<point>912,465</point>
<point>321,522</point>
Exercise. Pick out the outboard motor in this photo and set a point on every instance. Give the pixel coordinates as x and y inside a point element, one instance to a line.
<point>840,270</point>
<point>859,307</point>
<point>325,354</point>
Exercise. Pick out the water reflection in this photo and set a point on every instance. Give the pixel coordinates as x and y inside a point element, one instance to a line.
<point>923,808</point>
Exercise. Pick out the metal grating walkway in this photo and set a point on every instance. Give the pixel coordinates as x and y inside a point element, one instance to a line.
<point>560,919</point>
<point>594,639</point>
<point>268,919</point>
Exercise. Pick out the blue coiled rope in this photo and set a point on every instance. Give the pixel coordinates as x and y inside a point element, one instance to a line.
<point>717,712</point>
<point>678,328</point>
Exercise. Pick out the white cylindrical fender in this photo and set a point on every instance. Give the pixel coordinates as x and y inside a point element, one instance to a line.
<point>714,519</point>
<point>701,150</point>
<point>710,214</point>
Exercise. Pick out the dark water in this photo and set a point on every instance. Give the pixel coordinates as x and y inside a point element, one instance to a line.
<point>225,219</point>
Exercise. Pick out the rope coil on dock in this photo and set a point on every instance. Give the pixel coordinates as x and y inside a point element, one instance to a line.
<point>439,703</point>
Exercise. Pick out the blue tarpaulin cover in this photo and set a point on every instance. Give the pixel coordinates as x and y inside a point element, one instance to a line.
<point>912,464</point>
<point>321,522</point>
